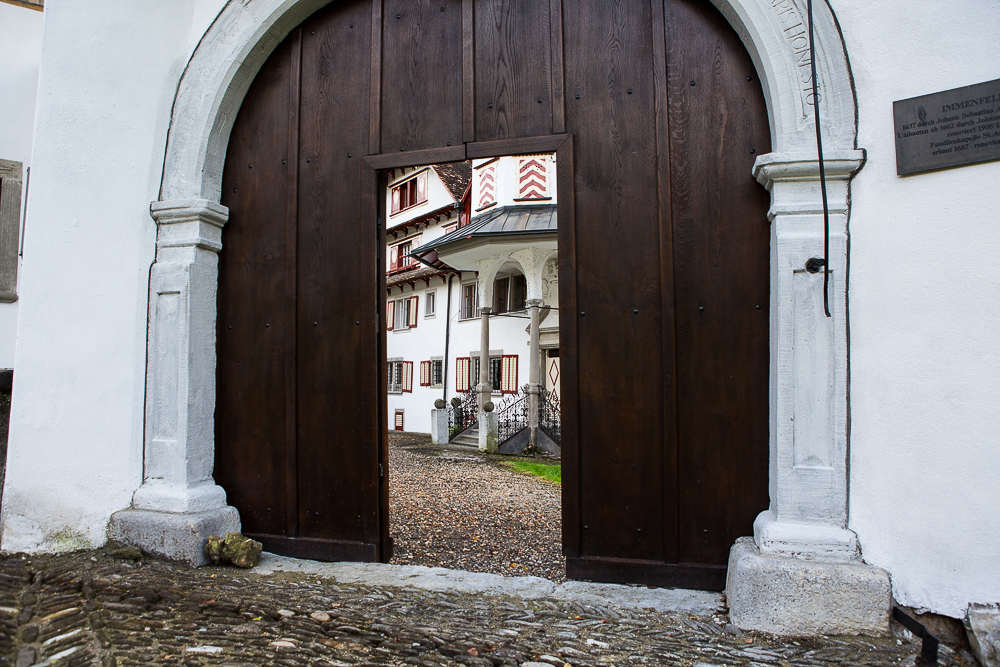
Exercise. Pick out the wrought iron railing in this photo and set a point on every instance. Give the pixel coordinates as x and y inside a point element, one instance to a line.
<point>512,415</point>
<point>550,415</point>
<point>463,413</point>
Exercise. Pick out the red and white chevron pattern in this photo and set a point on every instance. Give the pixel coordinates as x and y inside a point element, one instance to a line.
<point>533,181</point>
<point>487,185</point>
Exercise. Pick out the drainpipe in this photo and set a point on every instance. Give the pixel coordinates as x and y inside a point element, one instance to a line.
<point>447,338</point>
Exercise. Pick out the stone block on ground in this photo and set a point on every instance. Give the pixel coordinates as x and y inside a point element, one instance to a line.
<point>176,537</point>
<point>796,597</point>
<point>982,624</point>
<point>235,549</point>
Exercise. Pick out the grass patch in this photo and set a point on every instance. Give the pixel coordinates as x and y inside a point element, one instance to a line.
<point>553,473</point>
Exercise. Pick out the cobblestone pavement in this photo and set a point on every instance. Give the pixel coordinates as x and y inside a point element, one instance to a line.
<point>462,510</point>
<point>91,609</point>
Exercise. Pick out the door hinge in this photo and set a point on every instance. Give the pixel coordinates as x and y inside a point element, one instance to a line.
<point>379,469</point>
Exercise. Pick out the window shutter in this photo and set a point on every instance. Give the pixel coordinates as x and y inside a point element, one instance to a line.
<point>398,422</point>
<point>425,373</point>
<point>508,374</point>
<point>408,376</point>
<point>390,315</point>
<point>462,374</point>
<point>413,312</point>
<point>395,200</point>
<point>422,188</point>
<point>394,258</point>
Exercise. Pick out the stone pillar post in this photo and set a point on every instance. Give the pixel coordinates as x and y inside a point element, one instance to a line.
<point>802,555</point>
<point>179,504</point>
<point>534,374</point>
<point>484,387</point>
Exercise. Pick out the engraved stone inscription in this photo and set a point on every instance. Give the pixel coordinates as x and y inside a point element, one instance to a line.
<point>796,32</point>
<point>947,129</point>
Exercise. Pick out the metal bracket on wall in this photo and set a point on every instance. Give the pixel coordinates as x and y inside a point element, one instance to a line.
<point>929,648</point>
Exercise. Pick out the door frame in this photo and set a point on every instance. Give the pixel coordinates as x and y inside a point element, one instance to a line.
<point>808,460</point>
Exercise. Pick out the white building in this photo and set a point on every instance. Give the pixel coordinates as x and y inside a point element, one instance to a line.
<point>458,236</point>
<point>135,107</point>
<point>21,36</point>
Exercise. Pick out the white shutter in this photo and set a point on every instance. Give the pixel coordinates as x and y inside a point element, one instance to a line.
<point>413,312</point>
<point>508,374</point>
<point>408,376</point>
<point>462,374</point>
<point>425,373</point>
<point>390,315</point>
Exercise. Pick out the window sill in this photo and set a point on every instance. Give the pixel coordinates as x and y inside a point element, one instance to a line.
<point>402,330</point>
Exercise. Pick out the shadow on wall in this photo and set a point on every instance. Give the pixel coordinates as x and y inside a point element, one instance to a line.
<point>6,381</point>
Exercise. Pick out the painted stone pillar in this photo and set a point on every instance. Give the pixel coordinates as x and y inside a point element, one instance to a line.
<point>802,572</point>
<point>179,504</point>
<point>484,387</point>
<point>534,374</point>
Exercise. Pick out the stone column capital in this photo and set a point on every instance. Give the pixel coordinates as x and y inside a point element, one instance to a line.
<point>783,167</point>
<point>189,223</point>
<point>531,303</point>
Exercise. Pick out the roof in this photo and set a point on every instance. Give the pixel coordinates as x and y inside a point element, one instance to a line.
<point>446,211</point>
<point>409,277</point>
<point>456,176</point>
<point>502,221</point>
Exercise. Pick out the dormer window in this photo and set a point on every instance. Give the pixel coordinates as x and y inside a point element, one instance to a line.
<point>409,193</point>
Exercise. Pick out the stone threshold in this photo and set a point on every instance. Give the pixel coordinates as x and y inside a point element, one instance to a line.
<point>699,603</point>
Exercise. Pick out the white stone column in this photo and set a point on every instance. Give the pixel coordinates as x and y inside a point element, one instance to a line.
<point>534,360</point>
<point>802,571</point>
<point>484,387</point>
<point>179,504</point>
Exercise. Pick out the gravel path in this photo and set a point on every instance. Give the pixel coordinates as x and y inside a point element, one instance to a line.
<point>463,510</point>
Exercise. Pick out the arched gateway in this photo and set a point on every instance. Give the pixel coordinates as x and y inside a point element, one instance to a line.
<point>692,353</point>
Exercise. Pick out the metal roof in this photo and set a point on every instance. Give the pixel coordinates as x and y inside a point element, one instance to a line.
<point>502,221</point>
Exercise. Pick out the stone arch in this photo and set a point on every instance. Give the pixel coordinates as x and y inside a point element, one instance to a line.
<point>808,513</point>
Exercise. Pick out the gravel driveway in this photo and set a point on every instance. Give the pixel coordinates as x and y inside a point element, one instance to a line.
<point>463,510</point>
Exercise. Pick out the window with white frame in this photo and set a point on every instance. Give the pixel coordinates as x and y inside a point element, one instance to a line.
<point>470,301</point>
<point>401,314</point>
<point>400,376</point>
<point>432,373</point>
<point>510,293</point>
<point>409,193</point>
<point>430,303</point>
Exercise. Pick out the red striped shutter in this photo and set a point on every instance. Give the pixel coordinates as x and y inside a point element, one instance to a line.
<point>390,315</point>
<point>462,373</point>
<point>413,312</point>
<point>398,423</point>
<point>425,373</point>
<point>508,374</point>
<point>408,376</point>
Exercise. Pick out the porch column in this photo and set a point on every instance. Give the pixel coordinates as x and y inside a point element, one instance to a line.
<point>179,504</point>
<point>534,360</point>
<point>803,556</point>
<point>484,388</point>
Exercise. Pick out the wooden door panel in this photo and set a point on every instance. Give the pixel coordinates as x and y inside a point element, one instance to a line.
<point>421,74</point>
<point>251,337</point>
<point>337,361</point>
<point>513,67</point>
<point>622,445</point>
<point>721,270</point>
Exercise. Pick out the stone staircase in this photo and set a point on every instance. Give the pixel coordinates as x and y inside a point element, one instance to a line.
<point>468,438</point>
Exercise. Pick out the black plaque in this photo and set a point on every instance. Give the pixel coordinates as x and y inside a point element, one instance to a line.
<point>947,129</point>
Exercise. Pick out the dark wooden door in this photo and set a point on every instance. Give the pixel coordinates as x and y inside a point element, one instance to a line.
<point>663,260</point>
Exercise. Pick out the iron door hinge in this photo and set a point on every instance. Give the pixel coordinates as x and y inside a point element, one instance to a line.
<point>379,469</point>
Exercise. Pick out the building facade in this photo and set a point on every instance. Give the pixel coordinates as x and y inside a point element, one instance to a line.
<point>437,247</point>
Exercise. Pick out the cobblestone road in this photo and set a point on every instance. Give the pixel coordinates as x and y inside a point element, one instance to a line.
<point>91,609</point>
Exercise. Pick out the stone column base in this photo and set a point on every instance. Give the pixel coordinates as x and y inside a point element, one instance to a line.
<point>176,537</point>
<point>792,596</point>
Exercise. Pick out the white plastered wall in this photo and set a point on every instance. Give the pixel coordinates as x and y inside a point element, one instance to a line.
<point>106,87</point>
<point>924,316</point>
<point>21,37</point>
